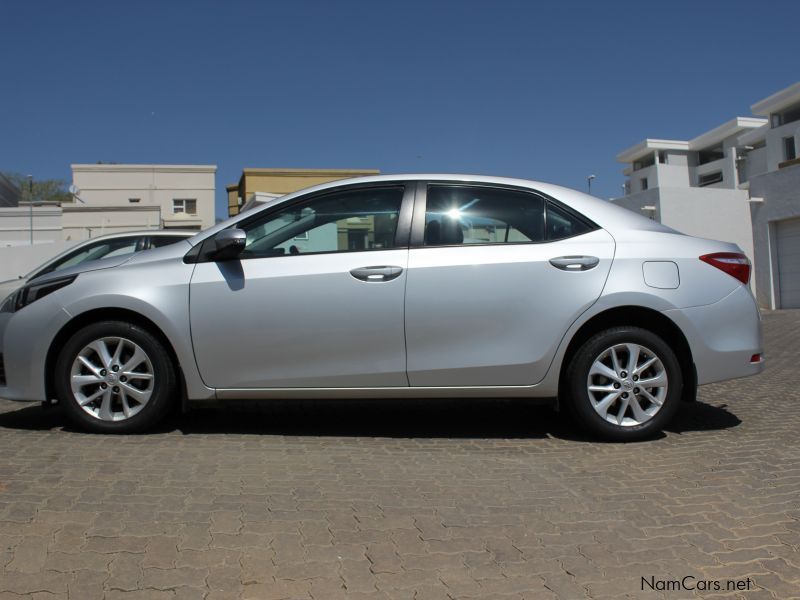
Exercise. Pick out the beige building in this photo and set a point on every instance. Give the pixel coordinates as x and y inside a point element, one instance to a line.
<point>19,225</point>
<point>122,197</point>
<point>277,182</point>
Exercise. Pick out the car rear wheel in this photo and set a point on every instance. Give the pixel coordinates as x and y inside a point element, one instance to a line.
<point>115,377</point>
<point>625,384</point>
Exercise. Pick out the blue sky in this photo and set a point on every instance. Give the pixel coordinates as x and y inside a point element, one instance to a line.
<point>542,90</point>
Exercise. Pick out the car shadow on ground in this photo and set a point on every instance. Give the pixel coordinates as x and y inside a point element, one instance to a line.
<point>452,418</point>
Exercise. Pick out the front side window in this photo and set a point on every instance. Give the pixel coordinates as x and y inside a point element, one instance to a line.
<point>348,221</point>
<point>472,215</point>
<point>184,205</point>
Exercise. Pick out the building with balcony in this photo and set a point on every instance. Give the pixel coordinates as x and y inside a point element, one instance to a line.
<point>739,182</point>
<point>773,181</point>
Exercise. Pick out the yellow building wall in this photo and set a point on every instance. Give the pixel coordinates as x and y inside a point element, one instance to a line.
<point>285,181</point>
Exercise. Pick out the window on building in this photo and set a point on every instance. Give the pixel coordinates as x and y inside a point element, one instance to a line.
<point>134,200</point>
<point>789,115</point>
<point>643,183</point>
<point>709,178</point>
<point>789,150</point>
<point>184,205</point>
<point>662,157</point>
<point>644,162</point>
<point>710,155</point>
<point>349,221</point>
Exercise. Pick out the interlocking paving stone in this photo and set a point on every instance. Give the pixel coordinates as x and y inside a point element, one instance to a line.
<point>441,499</point>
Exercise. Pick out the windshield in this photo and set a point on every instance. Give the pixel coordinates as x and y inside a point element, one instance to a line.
<point>95,251</point>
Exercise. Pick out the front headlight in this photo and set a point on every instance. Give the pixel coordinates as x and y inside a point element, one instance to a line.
<point>33,292</point>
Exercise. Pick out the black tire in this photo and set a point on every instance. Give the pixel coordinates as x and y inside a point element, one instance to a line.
<point>577,376</point>
<point>163,393</point>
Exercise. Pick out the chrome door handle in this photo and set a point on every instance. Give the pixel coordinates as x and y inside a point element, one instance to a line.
<point>575,263</point>
<point>376,274</point>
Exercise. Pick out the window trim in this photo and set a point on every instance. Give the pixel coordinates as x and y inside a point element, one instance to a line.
<point>183,210</point>
<point>420,208</point>
<point>203,251</point>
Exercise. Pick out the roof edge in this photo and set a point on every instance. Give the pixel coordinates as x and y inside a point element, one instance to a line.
<point>112,167</point>
<point>648,144</point>
<point>780,99</point>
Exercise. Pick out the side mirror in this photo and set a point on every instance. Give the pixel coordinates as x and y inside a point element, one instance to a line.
<point>228,244</point>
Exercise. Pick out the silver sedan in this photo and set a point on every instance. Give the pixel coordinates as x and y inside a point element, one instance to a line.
<point>414,286</point>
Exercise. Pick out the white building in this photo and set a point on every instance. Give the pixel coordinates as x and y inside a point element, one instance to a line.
<point>739,182</point>
<point>693,186</point>
<point>773,181</point>
<point>123,197</point>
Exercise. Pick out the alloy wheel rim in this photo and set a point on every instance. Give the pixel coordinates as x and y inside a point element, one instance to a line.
<point>112,379</point>
<point>627,384</point>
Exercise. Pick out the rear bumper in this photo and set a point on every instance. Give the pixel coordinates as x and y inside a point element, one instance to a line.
<point>723,336</point>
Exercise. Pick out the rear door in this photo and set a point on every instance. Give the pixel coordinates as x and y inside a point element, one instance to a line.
<point>496,275</point>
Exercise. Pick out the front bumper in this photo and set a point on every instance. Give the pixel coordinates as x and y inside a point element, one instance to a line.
<point>723,336</point>
<point>25,338</point>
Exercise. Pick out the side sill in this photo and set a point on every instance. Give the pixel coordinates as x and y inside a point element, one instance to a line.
<point>509,391</point>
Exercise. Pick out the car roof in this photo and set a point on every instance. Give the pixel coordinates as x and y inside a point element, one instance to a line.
<point>156,232</point>
<point>606,214</point>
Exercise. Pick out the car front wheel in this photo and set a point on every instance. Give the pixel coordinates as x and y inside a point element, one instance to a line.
<point>115,377</point>
<point>625,384</point>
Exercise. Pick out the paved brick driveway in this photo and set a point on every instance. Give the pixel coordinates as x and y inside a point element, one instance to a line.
<point>393,500</point>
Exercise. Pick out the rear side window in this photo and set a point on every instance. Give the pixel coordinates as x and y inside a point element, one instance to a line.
<point>562,224</point>
<point>157,241</point>
<point>456,215</point>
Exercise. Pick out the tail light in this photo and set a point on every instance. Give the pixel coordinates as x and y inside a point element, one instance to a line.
<point>733,263</point>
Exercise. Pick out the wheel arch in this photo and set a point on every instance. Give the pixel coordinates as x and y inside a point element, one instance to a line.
<point>646,318</point>
<point>109,314</point>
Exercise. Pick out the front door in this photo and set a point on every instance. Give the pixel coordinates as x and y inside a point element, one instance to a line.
<point>305,306</point>
<point>496,280</point>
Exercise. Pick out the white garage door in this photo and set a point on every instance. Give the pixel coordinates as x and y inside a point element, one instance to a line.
<point>788,246</point>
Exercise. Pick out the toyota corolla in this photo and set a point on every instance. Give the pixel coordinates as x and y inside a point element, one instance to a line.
<point>416,286</point>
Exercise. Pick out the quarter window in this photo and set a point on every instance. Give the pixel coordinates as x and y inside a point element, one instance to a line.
<point>562,224</point>
<point>350,221</point>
